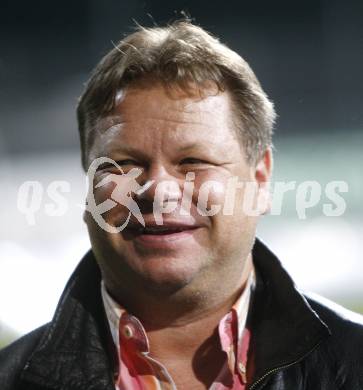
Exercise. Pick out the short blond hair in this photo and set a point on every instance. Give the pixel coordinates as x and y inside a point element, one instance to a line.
<point>178,54</point>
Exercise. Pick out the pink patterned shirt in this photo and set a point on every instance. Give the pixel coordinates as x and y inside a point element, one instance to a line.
<point>139,371</point>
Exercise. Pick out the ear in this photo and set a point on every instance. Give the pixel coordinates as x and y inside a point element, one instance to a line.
<point>263,173</point>
<point>85,212</point>
<point>263,170</point>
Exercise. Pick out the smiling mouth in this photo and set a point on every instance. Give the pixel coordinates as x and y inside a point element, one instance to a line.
<point>170,236</point>
<point>162,230</point>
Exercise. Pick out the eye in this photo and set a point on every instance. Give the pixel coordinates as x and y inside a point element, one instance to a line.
<point>192,160</point>
<point>122,163</point>
<point>127,162</point>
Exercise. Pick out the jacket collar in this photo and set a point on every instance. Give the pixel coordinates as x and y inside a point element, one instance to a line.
<point>76,351</point>
<point>284,327</point>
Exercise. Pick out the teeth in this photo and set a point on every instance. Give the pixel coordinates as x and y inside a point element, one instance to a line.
<point>158,229</point>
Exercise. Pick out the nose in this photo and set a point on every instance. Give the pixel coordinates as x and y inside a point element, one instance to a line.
<point>159,186</point>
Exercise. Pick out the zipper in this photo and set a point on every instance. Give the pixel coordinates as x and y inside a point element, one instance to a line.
<point>253,386</point>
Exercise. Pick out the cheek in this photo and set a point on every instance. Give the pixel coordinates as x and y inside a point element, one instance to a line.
<point>210,192</point>
<point>223,199</point>
<point>116,215</point>
<point>103,193</point>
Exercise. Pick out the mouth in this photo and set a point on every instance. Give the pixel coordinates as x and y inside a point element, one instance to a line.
<point>161,235</point>
<point>162,230</point>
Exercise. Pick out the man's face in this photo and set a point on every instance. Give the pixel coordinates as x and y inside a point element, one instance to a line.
<point>166,136</point>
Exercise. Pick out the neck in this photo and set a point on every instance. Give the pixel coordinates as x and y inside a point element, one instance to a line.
<point>199,300</point>
<point>179,324</point>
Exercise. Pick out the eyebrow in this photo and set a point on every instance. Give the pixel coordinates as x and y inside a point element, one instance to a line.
<point>127,150</point>
<point>107,123</point>
<point>194,146</point>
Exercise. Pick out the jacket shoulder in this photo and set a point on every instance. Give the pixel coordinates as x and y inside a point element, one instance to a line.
<point>343,350</point>
<point>14,357</point>
<point>339,356</point>
<point>336,317</point>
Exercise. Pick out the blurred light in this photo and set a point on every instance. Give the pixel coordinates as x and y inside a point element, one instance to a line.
<point>322,255</point>
<point>30,286</point>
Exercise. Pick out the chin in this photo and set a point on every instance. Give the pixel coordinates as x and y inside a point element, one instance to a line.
<point>165,274</point>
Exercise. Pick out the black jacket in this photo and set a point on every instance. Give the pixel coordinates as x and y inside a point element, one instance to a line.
<point>298,342</point>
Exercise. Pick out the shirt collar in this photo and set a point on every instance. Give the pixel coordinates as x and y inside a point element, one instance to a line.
<point>233,335</point>
<point>231,327</point>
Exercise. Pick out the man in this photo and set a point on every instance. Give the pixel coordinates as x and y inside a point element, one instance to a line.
<point>183,296</point>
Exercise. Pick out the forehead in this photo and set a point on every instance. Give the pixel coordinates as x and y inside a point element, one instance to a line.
<point>193,116</point>
<point>155,101</point>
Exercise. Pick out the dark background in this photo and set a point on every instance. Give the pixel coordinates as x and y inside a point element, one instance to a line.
<point>307,54</point>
